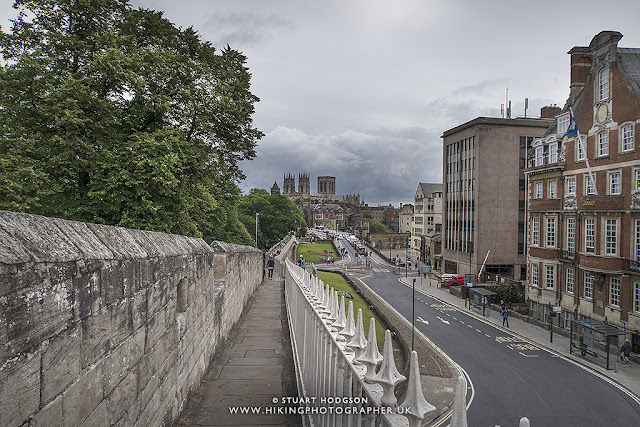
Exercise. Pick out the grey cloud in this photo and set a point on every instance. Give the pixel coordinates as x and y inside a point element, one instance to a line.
<point>241,30</point>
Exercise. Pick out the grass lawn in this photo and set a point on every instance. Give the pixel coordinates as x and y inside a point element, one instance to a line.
<point>304,249</point>
<point>336,281</point>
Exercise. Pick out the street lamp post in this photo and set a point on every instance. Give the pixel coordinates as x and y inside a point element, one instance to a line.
<point>257,214</point>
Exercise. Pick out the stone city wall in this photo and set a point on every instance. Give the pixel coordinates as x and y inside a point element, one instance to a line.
<point>104,326</point>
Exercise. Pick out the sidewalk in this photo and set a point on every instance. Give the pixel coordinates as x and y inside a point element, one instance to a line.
<point>254,366</point>
<point>628,373</point>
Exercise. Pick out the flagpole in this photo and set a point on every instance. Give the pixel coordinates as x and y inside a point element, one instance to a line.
<point>586,157</point>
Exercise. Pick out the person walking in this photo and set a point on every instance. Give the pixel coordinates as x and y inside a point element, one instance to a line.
<point>625,351</point>
<point>270,265</point>
<point>505,317</point>
<point>303,263</point>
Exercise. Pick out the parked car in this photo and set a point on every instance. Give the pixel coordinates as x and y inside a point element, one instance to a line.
<point>458,279</point>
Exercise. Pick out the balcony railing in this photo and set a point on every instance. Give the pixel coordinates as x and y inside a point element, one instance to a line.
<point>630,265</point>
<point>568,255</point>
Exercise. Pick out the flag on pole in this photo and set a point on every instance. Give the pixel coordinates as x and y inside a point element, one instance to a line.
<point>573,126</point>
<point>581,147</point>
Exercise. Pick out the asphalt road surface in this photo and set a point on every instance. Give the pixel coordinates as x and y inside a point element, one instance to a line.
<point>511,377</point>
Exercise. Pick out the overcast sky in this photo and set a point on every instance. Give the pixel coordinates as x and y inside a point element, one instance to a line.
<point>363,89</point>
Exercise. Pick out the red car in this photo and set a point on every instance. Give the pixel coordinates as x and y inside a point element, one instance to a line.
<point>454,280</point>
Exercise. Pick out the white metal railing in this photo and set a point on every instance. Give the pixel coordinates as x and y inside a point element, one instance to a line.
<point>336,365</point>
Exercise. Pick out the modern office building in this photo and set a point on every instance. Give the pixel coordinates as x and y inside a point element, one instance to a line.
<point>484,194</point>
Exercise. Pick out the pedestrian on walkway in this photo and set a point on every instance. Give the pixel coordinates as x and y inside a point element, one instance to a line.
<point>270,265</point>
<point>303,263</point>
<point>502,307</point>
<point>625,351</point>
<point>505,317</point>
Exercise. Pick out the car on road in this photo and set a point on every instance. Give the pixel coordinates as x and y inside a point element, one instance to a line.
<point>457,279</point>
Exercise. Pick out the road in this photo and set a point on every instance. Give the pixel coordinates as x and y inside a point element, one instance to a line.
<point>511,377</point>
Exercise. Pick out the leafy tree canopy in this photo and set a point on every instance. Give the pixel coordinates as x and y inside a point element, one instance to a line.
<point>113,115</point>
<point>277,216</point>
<point>378,227</point>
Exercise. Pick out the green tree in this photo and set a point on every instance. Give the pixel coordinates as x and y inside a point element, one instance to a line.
<point>277,216</point>
<point>113,115</point>
<point>378,227</point>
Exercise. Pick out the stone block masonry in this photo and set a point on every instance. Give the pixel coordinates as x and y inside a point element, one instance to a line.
<point>103,326</point>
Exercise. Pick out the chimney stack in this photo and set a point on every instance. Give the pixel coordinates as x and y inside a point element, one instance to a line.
<point>581,59</point>
<point>550,111</point>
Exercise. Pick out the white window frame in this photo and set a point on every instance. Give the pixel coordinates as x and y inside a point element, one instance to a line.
<point>563,123</point>
<point>581,148</point>
<point>603,84</point>
<point>550,229</point>
<point>569,280</point>
<point>614,291</point>
<point>535,231</point>
<point>588,285</point>
<point>534,274</point>
<point>603,143</point>
<point>539,156</point>
<point>553,189</point>
<point>590,235</point>
<point>636,184</point>
<point>636,297</point>
<point>636,243</point>
<point>538,190</point>
<point>611,236</point>
<point>571,185</point>
<point>553,152</point>
<point>571,234</point>
<point>589,184</point>
<point>549,276</point>
<point>627,133</point>
<point>615,183</point>
<point>318,216</point>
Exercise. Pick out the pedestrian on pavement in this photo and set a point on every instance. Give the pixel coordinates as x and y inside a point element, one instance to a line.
<point>505,317</point>
<point>270,265</point>
<point>502,307</point>
<point>303,263</point>
<point>625,351</point>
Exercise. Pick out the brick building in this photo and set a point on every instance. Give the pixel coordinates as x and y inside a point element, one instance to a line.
<point>583,235</point>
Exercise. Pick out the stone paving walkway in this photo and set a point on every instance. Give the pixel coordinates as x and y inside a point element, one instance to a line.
<point>254,367</point>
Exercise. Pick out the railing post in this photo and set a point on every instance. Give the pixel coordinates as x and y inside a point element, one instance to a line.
<point>388,376</point>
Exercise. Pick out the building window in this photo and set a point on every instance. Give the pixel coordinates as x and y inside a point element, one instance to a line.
<point>636,243</point>
<point>614,291</point>
<point>551,232</point>
<point>588,285</point>
<point>590,235</point>
<point>318,216</point>
<point>611,237</point>
<point>569,280</point>
<point>534,274</point>
<point>615,186</point>
<point>535,231</point>
<point>627,137</point>
<point>637,179</point>
<point>571,234</point>
<point>563,124</point>
<point>636,297</point>
<point>553,189</point>
<point>603,84</point>
<point>581,152</point>
<point>603,143</point>
<point>550,276</point>
<point>590,184</point>
<point>539,157</point>
<point>553,152</point>
<point>571,186</point>
<point>538,190</point>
